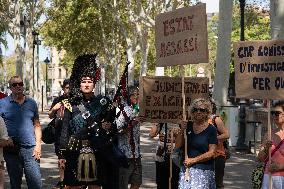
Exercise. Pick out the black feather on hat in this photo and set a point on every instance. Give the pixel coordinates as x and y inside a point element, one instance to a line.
<point>84,66</point>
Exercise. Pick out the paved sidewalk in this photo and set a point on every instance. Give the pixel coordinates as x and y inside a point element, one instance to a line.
<point>237,175</point>
<point>237,172</point>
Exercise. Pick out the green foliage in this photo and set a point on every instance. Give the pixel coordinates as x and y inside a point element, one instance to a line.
<point>10,68</point>
<point>84,26</point>
<point>257,24</point>
<point>257,27</point>
<point>212,28</point>
<point>79,27</point>
<point>87,26</point>
<point>4,24</point>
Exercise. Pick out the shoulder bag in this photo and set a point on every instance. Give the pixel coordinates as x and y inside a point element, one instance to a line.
<point>258,172</point>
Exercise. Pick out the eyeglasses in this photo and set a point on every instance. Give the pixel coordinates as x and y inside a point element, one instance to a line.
<point>202,110</point>
<point>17,84</point>
<point>275,113</point>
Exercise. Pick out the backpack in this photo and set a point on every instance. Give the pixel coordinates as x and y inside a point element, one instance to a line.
<point>225,143</point>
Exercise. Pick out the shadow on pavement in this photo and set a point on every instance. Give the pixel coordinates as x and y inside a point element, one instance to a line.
<point>237,172</point>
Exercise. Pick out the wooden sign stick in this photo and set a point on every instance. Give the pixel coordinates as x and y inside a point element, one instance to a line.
<point>171,160</point>
<point>186,176</point>
<point>269,138</point>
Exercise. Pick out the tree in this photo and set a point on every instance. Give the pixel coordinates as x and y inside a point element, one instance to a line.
<point>221,81</point>
<point>277,16</point>
<point>114,29</point>
<point>5,16</point>
<point>256,28</point>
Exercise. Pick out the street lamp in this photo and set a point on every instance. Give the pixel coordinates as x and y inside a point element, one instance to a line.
<point>242,20</point>
<point>36,42</point>
<point>46,61</point>
<point>242,114</point>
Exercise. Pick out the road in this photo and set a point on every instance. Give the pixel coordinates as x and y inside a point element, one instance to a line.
<point>237,172</point>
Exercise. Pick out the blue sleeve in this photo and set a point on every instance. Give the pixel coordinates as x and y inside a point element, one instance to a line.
<point>1,107</point>
<point>36,115</point>
<point>212,135</point>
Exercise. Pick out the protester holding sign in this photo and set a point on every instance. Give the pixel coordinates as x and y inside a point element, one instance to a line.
<point>201,147</point>
<point>161,97</point>
<point>163,152</point>
<point>276,168</point>
<point>128,125</point>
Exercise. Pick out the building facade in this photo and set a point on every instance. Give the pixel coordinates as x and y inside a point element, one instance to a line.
<point>56,72</point>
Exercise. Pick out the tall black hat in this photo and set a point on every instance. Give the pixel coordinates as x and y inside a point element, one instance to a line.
<point>84,66</point>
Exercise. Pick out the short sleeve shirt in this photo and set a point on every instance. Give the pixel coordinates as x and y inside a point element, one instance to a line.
<point>198,144</point>
<point>19,119</point>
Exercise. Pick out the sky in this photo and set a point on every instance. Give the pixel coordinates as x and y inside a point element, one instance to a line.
<point>211,6</point>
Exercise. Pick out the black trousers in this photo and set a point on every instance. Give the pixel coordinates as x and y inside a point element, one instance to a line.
<point>111,176</point>
<point>219,171</point>
<point>163,174</point>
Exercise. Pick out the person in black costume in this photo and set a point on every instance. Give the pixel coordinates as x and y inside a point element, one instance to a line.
<point>56,112</point>
<point>87,128</point>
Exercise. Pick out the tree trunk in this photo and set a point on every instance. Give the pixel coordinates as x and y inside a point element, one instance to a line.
<point>222,73</point>
<point>276,19</point>
<point>144,50</point>
<point>130,57</point>
<point>16,36</point>
<point>103,79</point>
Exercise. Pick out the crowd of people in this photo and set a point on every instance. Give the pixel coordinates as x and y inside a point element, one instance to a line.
<point>97,141</point>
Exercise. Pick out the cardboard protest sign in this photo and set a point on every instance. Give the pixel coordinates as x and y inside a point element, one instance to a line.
<point>181,36</point>
<point>259,69</point>
<point>161,97</point>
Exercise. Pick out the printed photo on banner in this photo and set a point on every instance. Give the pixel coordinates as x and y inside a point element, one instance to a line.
<point>161,97</point>
<point>259,69</point>
<point>181,36</point>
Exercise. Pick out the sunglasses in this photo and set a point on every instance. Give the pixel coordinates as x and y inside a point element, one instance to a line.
<point>202,110</point>
<point>275,113</point>
<point>17,84</point>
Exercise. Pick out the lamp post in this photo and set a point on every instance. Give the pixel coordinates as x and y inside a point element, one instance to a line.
<point>46,61</point>
<point>36,42</point>
<point>242,113</point>
<point>242,20</point>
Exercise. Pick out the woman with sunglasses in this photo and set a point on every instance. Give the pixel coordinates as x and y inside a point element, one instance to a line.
<point>201,146</point>
<point>276,168</point>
